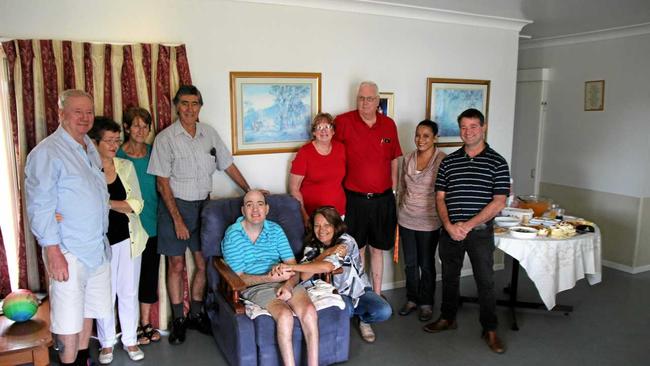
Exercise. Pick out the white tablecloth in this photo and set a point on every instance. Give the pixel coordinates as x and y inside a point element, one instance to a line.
<point>555,265</point>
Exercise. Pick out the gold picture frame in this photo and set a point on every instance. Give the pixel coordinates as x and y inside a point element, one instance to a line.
<point>447,98</point>
<point>271,112</point>
<point>595,95</point>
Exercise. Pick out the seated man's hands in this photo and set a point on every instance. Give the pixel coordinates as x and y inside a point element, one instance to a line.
<point>285,292</point>
<point>281,272</point>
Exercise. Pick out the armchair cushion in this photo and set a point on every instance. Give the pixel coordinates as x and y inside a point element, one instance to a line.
<point>251,342</point>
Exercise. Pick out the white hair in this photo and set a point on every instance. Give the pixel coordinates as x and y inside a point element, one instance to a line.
<point>371,84</point>
<point>71,93</point>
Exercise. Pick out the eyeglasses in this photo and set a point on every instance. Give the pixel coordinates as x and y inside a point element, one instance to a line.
<point>361,98</point>
<point>113,142</point>
<point>323,127</point>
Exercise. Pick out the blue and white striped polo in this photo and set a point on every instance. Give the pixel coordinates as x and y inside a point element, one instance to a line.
<point>244,256</point>
<point>471,183</point>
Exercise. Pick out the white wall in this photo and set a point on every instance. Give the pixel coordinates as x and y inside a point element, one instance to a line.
<point>604,151</point>
<point>399,54</point>
<point>222,36</point>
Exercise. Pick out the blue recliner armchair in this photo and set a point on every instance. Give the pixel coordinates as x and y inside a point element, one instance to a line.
<point>253,342</point>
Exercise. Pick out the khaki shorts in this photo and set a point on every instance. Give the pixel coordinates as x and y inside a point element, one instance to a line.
<point>86,294</point>
<point>264,293</point>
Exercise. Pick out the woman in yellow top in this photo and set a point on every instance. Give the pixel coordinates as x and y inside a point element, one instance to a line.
<point>127,238</point>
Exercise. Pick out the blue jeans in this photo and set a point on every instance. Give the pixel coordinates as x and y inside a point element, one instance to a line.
<point>371,308</point>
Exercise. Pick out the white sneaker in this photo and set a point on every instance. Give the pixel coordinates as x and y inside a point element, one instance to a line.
<point>136,355</point>
<point>366,332</point>
<point>106,356</point>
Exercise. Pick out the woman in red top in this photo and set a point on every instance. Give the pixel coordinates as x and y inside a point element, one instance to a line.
<point>318,169</point>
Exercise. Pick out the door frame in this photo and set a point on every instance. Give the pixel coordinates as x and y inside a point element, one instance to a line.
<point>542,75</point>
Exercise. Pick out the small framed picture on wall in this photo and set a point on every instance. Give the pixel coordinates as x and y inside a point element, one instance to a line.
<point>386,104</point>
<point>595,95</point>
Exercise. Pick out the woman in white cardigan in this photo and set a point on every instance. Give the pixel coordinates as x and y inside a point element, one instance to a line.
<point>127,238</point>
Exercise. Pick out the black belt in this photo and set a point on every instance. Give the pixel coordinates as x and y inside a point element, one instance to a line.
<point>480,227</point>
<point>371,195</point>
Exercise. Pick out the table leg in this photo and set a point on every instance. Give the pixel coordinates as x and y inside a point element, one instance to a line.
<point>512,291</point>
<point>512,303</point>
<point>41,356</point>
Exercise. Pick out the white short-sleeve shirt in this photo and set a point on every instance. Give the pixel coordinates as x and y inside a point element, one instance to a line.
<point>187,161</point>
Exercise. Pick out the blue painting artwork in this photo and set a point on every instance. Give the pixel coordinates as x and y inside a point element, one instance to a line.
<point>275,113</point>
<point>450,102</point>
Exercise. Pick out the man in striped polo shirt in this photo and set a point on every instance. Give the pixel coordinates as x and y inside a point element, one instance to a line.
<point>471,188</point>
<point>252,246</point>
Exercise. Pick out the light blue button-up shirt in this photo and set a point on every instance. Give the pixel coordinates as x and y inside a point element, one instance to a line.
<point>62,177</point>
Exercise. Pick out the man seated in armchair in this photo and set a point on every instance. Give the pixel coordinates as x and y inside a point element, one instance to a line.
<point>252,246</point>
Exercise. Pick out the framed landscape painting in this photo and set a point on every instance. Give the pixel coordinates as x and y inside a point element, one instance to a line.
<point>447,98</point>
<point>271,112</point>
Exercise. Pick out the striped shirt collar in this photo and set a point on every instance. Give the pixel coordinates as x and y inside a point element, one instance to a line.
<point>240,227</point>
<point>463,153</point>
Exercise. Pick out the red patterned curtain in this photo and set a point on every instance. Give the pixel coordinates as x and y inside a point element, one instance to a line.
<point>5,285</point>
<point>118,76</point>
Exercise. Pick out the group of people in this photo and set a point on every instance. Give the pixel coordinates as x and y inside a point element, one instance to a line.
<point>93,205</point>
<point>352,196</point>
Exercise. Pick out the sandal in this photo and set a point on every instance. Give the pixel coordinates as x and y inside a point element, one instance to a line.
<point>142,337</point>
<point>151,333</point>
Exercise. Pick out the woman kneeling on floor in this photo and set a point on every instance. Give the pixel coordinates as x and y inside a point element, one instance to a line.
<point>328,248</point>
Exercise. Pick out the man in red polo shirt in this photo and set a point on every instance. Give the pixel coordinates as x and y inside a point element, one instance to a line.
<point>372,149</point>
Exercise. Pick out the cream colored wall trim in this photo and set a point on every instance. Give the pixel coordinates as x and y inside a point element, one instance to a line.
<point>599,35</point>
<point>624,268</point>
<point>403,11</point>
<point>639,229</point>
<point>463,273</point>
<point>542,74</point>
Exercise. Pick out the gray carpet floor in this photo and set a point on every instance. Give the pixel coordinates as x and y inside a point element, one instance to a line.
<point>610,325</point>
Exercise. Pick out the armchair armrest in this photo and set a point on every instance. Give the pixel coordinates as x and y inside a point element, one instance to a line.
<point>230,285</point>
<point>327,276</point>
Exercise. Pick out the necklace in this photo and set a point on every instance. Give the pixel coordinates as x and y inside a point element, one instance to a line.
<point>323,150</point>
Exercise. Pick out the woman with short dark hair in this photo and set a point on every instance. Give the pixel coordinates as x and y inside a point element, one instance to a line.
<point>127,238</point>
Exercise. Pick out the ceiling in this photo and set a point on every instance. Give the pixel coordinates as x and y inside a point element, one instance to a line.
<point>550,17</point>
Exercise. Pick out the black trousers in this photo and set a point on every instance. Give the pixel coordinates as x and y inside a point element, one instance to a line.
<point>419,248</point>
<point>148,289</point>
<point>479,245</point>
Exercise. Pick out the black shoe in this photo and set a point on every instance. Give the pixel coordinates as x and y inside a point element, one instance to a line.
<point>177,333</point>
<point>440,325</point>
<point>408,308</point>
<point>426,313</point>
<point>199,322</point>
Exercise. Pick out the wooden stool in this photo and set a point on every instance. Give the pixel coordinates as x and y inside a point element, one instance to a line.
<point>26,342</point>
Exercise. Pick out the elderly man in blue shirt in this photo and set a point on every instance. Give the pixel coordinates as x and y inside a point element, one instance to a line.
<point>63,176</point>
<point>252,246</point>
